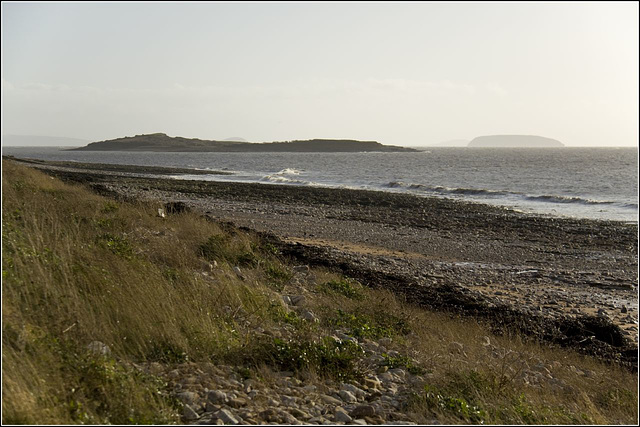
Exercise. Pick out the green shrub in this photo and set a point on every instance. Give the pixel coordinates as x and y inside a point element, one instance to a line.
<point>167,352</point>
<point>372,327</point>
<point>335,359</point>
<point>452,405</point>
<point>277,276</point>
<point>118,245</point>
<point>347,287</point>
<point>402,362</point>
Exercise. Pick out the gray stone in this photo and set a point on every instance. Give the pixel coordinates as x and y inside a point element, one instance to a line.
<point>308,316</point>
<point>237,402</point>
<point>189,414</point>
<point>288,400</point>
<point>362,411</point>
<point>341,416</point>
<point>270,415</point>
<point>330,400</point>
<point>347,396</point>
<point>353,390</point>
<point>188,397</point>
<point>227,417</point>
<point>216,397</point>
<point>99,348</point>
<point>309,388</point>
<point>290,419</point>
<point>301,268</point>
<point>299,414</point>
<point>298,300</point>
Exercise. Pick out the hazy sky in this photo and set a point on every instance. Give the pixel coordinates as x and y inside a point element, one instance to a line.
<point>398,73</point>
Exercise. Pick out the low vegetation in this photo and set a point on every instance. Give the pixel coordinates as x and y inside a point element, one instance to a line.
<point>94,290</point>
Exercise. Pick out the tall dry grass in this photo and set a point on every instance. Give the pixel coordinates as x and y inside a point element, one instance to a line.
<point>79,268</point>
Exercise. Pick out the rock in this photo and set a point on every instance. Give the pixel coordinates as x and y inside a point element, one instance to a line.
<point>99,348</point>
<point>301,269</point>
<point>373,382</point>
<point>189,414</point>
<point>362,411</point>
<point>216,397</point>
<point>399,373</point>
<point>286,299</point>
<point>360,422</point>
<point>309,388</point>
<point>486,341</point>
<point>330,400</point>
<point>238,272</point>
<point>161,213</point>
<point>299,414</point>
<point>347,396</point>
<point>385,377</point>
<point>272,402</point>
<point>176,207</point>
<point>623,309</point>
<point>270,415</point>
<point>353,390</point>
<point>227,417</point>
<point>309,316</point>
<point>341,416</point>
<point>289,419</point>
<point>288,400</point>
<point>237,402</point>
<point>187,397</point>
<point>298,300</point>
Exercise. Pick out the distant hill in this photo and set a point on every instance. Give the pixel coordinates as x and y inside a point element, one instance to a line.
<point>163,143</point>
<point>236,138</point>
<point>514,141</point>
<point>40,141</point>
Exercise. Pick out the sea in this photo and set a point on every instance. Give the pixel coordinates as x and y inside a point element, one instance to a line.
<point>594,183</point>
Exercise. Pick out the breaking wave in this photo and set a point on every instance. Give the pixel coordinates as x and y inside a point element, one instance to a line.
<point>279,179</point>
<point>289,171</point>
<point>444,191</point>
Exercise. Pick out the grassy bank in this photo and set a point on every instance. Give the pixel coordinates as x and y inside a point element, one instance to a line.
<point>80,271</point>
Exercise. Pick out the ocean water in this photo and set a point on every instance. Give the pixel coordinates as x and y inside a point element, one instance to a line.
<point>595,183</point>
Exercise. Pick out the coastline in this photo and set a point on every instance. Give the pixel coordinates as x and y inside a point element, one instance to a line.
<point>535,271</point>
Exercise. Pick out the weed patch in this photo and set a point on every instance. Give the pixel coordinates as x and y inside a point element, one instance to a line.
<point>346,287</point>
<point>116,244</point>
<point>335,359</point>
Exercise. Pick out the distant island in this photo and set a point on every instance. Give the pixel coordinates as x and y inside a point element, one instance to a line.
<point>163,143</point>
<point>514,141</point>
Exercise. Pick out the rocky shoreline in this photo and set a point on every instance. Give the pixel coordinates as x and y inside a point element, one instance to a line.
<point>568,282</point>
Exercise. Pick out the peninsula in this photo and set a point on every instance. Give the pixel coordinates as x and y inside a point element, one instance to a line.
<point>161,142</point>
<point>514,141</point>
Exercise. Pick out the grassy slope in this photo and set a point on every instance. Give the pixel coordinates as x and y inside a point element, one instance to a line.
<point>78,268</point>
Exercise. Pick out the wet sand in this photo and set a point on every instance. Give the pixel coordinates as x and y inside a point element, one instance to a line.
<point>564,280</point>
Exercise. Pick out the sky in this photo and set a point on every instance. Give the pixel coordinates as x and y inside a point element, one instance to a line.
<point>410,74</point>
